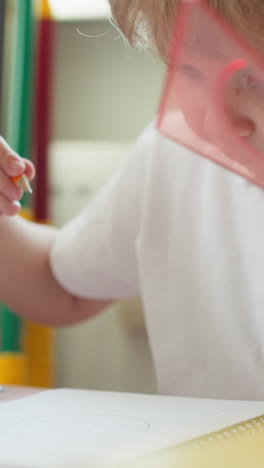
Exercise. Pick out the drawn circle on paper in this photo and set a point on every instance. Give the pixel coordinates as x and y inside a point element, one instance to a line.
<point>109,422</point>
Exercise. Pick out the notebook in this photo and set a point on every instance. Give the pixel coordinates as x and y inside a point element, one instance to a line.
<point>79,428</point>
<point>238,446</point>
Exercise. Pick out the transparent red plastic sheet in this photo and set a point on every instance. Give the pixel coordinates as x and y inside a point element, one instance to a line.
<point>216,80</point>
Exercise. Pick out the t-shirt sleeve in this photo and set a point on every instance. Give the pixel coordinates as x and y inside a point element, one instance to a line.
<point>94,255</point>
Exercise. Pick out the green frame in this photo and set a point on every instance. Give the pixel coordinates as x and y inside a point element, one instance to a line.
<point>17,128</point>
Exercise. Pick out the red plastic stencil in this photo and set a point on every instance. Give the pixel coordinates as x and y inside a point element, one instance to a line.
<point>213,99</point>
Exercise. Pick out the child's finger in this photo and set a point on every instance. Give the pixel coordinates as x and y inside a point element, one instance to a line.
<point>29,169</point>
<point>8,189</point>
<point>23,180</point>
<point>13,166</point>
<point>20,170</point>
<point>10,162</point>
<point>7,207</point>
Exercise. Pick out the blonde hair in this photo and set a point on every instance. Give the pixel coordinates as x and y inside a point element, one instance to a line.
<point>148,23</point>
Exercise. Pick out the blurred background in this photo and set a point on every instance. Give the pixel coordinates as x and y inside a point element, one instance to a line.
<point>84,97</point>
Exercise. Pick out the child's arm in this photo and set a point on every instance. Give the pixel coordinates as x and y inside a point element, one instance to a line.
<point>27,284</point>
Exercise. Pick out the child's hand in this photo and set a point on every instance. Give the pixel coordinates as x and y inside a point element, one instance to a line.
<point>12,165</point>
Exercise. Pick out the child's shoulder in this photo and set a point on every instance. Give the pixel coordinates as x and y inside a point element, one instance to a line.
<point>174,127</point>
<point>170,132</point>
<point>173,139</point>
<point>162,151</point>
<point>153,136</point>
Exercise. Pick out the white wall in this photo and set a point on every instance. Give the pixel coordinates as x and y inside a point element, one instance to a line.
<point>102,91</point>
<point>102,354</point>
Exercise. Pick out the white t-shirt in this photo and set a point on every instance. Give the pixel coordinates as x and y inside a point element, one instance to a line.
<point>188,236</point>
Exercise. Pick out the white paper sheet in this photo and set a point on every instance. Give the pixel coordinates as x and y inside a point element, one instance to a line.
<point>72,428</point>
